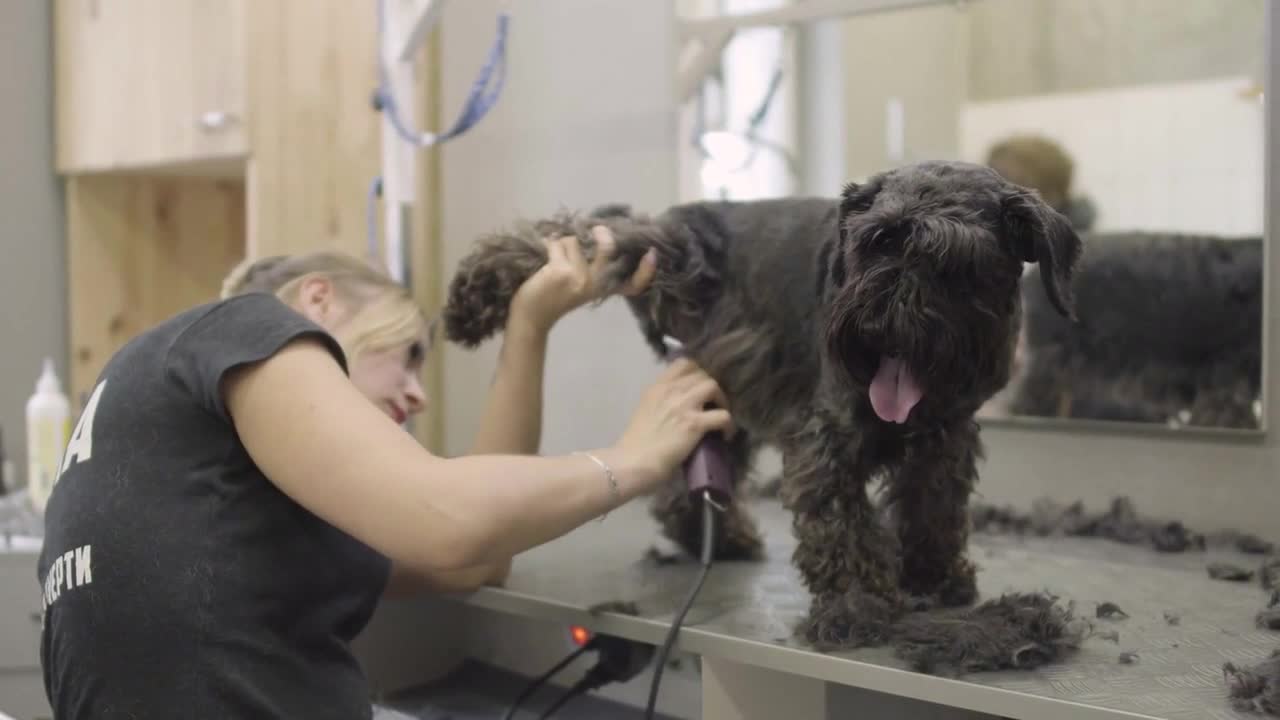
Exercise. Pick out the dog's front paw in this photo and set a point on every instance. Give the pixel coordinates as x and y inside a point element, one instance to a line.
<point>961,586</point>
<point>958,588</point>
<point>854,619</point>
<point>740,539</point>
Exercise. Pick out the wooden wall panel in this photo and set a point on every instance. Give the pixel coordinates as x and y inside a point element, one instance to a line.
<point>141,249</point>
<point>314,133</point>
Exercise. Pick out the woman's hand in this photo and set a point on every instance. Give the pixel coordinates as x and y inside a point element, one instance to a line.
<point>567,281</point>
<point>674,414</point>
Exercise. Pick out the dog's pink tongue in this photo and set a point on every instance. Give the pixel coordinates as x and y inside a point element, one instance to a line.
<point>894,391</point>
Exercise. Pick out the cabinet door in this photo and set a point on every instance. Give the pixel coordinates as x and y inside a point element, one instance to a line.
<point>149,83</point>
<point>19,612</point>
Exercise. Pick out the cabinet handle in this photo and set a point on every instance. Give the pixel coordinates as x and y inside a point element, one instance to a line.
<point>215,120</point>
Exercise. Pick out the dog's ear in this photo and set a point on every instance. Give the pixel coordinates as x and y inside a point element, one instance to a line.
<point>856,198</point>
<point>1041,235</point>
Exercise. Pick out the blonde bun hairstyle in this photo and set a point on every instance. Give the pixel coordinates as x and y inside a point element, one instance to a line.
<point>382,312</point>
<point>1036,162</point>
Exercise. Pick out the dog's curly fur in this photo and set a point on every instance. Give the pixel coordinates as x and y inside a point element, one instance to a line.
<point>790,304</point>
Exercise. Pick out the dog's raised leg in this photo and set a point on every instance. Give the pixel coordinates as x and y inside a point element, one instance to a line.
<point>480,292</point>
<point>736,535</point>
<point>928,499</point>
<point>847,559</point>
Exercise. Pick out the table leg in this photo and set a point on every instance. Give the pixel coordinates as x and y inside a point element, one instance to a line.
<point>732,691</point>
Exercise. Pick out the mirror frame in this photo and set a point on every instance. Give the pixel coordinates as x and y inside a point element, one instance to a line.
<point>701,40</point>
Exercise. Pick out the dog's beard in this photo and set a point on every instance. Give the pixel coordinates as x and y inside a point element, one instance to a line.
<point>894,390</point>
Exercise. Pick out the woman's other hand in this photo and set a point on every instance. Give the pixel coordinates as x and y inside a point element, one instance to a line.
<point>682,406</point>
<point>568,281</point>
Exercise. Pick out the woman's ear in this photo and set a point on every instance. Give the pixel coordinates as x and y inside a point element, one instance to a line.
<point>316,300</point>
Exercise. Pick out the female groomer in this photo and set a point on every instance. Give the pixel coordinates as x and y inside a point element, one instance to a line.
<point>238,493</point>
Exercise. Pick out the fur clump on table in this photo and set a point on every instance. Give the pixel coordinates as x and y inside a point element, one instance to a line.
<point>1019,631</point>
<point>1256,688</point>
<point>1269,617</point>
<point>1269,574</point>
<point>1120,522</point>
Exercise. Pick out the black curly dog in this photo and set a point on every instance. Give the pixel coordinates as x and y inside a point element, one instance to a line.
<point>859,335</point>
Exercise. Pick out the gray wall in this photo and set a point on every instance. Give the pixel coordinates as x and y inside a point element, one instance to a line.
<point>930,84</point>
<point>1027,47</point>
<point>586,118</point>
<point>994,49</point>
<point>33,308</point>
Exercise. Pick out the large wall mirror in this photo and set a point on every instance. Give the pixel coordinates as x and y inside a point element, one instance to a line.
<point>1140,120</point>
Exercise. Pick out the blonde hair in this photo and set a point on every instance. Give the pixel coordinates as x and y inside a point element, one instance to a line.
<point>1036,162</point>
<point>383,313</point>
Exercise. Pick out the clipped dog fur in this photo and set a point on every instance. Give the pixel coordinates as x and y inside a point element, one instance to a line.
<point>1014,632</point>
<point>1255,689</point>
<point>1169,331</point>
<point>1269,574</point>
<point>857,334</point>
<point>1120,522</point>
<point>1268,618</point>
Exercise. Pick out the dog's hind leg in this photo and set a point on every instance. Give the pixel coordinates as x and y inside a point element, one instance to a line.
<point>928,499</point>
<point>846,558</point>
<point>736,535</point>
<point>486,280</point>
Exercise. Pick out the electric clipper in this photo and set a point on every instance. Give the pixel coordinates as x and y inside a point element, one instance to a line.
<point>707,470</point>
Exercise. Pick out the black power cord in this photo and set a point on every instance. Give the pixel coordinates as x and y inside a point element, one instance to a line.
<point>537,682</point>
<point>620,660</point>
<point>708,536</point>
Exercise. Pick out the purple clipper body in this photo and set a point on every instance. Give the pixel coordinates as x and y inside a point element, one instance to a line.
<point>707,470</point>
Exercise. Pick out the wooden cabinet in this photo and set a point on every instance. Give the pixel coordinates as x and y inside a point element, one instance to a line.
<point>149,83</point>
<point>194,133</point>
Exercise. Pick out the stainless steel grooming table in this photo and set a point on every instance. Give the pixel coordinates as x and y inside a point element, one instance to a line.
<point>741,626</point>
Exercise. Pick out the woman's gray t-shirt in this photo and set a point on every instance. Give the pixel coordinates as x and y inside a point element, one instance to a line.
<point>178,581</point>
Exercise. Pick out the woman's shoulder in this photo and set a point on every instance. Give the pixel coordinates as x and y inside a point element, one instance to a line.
<point>238,320</point>
<point>193,350</point>
<point>253,307</point>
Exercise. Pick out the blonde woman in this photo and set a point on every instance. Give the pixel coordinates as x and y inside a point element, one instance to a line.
<point>238,494</point>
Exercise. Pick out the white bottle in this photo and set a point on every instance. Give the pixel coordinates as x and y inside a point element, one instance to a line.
<point>48,425</point>
<point>8,483</point>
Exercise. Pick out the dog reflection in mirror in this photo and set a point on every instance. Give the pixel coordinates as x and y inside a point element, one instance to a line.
<point>859,335</point>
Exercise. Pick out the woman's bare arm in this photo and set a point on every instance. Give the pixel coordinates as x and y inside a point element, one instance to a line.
<point>511,424</point>
<point>326,446</point>
<point>512,418</point>
<point>405,582</point>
